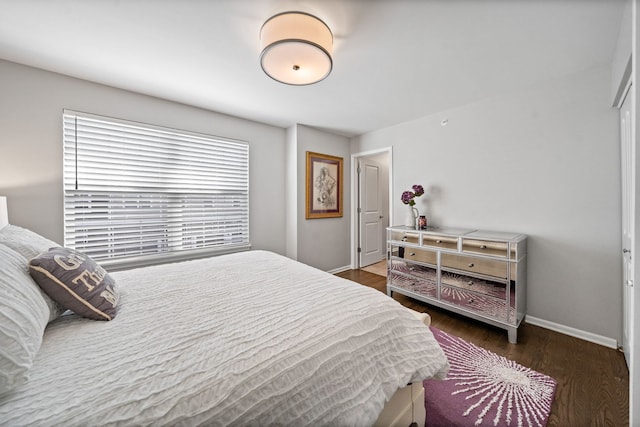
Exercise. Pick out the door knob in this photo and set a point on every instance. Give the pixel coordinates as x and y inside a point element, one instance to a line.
<point>626,251</point>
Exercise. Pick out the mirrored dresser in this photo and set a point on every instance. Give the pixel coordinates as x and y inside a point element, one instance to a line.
<point>479,274</point>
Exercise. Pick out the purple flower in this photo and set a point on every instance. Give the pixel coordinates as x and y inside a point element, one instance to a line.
<point>408,196</point>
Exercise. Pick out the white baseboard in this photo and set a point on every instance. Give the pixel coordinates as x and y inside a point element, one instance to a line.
<point>339,269</point>
<point>567,330</point>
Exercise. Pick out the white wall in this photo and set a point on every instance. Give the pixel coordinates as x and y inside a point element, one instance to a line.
<point>322,242</point>
<point>291,192</point>
<point>31,104</point>
<point>543,161</point>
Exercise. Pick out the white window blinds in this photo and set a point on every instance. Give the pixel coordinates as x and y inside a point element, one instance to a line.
<point>133,190</point>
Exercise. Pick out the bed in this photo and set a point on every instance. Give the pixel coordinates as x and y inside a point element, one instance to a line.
<point>247,339</point>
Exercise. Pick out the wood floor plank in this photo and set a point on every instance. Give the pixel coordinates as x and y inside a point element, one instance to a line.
<point>593,380</point>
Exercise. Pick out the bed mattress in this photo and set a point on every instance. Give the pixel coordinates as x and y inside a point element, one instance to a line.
<point>248,339</point>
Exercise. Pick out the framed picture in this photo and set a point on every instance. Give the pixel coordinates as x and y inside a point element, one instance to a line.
<point>324,186</point>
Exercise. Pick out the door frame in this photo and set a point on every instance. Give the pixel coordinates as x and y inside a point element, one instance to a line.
<point>627,85</point>
<point>355,195</point>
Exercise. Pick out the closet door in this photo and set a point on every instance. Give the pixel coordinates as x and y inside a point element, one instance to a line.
<point>627,150</point>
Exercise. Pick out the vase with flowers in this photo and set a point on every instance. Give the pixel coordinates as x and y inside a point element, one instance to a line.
<point>408,198</point>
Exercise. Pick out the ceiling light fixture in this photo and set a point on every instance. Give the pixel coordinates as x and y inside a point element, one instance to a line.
<point>296,48</point>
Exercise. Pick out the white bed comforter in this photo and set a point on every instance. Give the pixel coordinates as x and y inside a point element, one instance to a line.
<point>244,339</point>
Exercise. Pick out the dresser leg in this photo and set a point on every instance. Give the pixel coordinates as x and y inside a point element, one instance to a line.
<point>513,335</point>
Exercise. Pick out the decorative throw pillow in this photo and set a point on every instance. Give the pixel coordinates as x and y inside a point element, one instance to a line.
<point>29,245</point>
<point>23,318</point>
<point>76,282</point>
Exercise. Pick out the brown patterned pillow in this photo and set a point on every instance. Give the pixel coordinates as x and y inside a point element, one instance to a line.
<point>76,282</point>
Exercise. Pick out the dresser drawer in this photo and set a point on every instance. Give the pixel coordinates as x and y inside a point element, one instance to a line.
<point>440,241</point>
<point>421,255</point>
<point>486,306</point>
<point>401,236</point>
<point>416,270</point>
<point>464,283</point>
<point>427,288</point>
<point>411,238</point>
<point>474,246</point>
<point>488,267</point>
<point>404,236</point>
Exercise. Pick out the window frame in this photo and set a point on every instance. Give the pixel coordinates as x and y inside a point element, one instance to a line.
<point>200,204</point>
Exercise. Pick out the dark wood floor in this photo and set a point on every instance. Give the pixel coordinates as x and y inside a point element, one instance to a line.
<point>593,381</point>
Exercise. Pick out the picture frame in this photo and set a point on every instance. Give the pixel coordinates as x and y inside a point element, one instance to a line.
<point>324,183</point>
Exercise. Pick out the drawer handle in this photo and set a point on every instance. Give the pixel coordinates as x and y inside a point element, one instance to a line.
<point>412,254</point>
<point>471,300</point>
<point>470,265</point>
<point>438,241</point>
<point>470,283</point>
<point>483,246</point>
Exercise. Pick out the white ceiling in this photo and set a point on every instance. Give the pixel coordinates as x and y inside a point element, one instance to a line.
<point>394,61</point>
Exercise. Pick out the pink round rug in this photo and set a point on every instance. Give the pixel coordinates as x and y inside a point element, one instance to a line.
<point>484,389</point>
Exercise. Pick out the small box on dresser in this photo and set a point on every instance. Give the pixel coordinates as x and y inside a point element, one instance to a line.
<point>476,273</point>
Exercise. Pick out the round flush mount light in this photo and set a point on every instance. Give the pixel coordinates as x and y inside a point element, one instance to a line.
<point>296,48</point>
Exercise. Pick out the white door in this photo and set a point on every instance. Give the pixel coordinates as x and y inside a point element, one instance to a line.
<point>370,214</point>
<point>627,150</point>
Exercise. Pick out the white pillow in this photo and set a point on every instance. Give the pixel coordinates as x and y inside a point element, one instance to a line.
<point>23,317</point>
<point>30,245</point>
<point>25,242</point>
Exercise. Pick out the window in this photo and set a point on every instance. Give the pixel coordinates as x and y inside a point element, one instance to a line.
<point>135,192</point>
